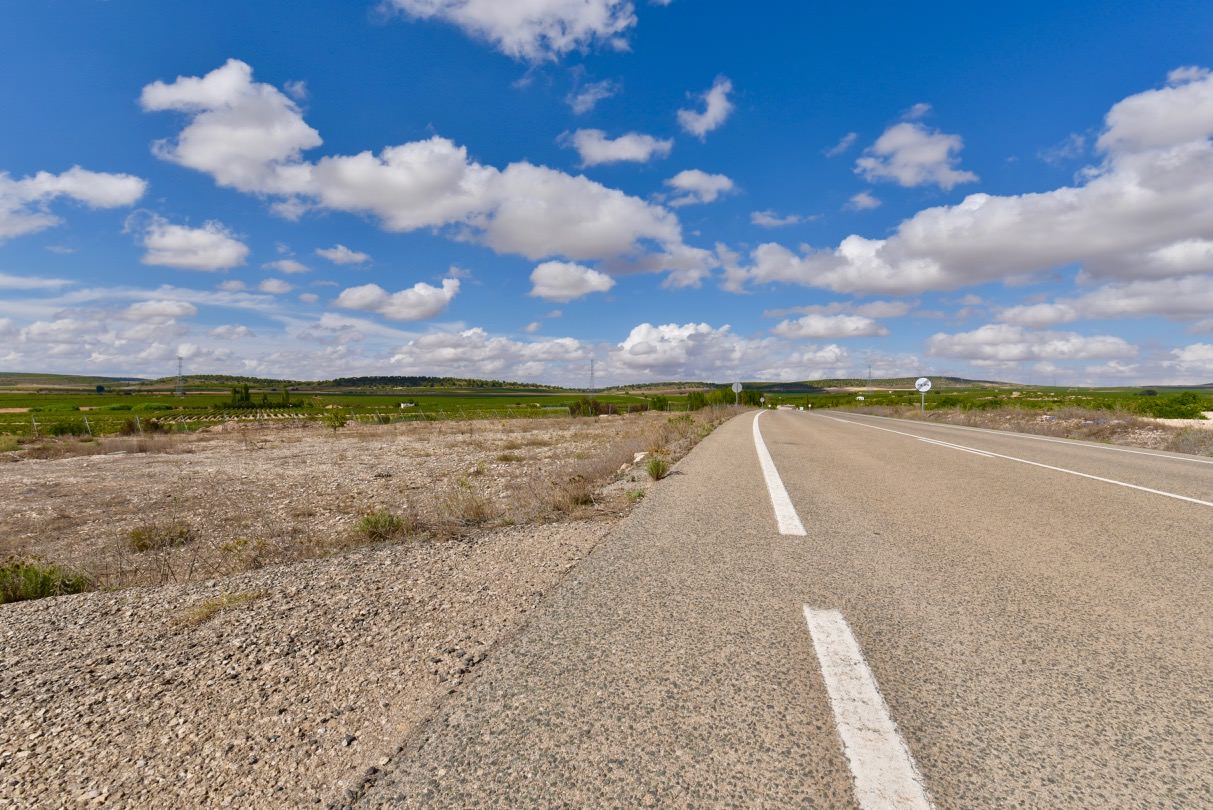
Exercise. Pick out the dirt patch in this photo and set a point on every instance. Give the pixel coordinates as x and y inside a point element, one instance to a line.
<point>247,496</point>
<point>284,686</point>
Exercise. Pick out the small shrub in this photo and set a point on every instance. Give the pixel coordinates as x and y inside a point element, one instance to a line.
<point>658,468</point>
<point>33,579</point>
<point>635,495</point>
<point>69,428</point>
<point>380,526</point>
<point>335,419</point>
<point>8,444</point>
<point>509,457</point>
<point>155,536</point>
<point>1196,441</point>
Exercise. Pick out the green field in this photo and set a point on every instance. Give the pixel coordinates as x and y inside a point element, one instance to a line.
<point>1163,402</point>
<point>108,413</point>
<point>42,405</point>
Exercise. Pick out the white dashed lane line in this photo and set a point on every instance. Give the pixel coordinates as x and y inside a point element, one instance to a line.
<point>785,513</point>
<point>884,772</point>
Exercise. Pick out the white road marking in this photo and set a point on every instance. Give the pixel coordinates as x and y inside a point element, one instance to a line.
<point>1033,463</point>
<point>785,513</point>
<point>884,771</point>
<point>1051,439</point>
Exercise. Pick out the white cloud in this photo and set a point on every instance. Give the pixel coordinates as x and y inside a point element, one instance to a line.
<point>1005,343</point>
<point>1177,114</point>
<point>309,298</point>
<point>769,219</point>
<point>595,148</point>
<point>287,266</point>
<point>246,135</point>
<point>1141,214</point>
<point>843,145</point>
<point>275,286</point>
<point>1038,315</point>
<point>229,331</point>
<point>717,108</point>
<point>1194,361</point>
<point>584,99</point>
<point>543,212</point>
<point>535,30</point>
<point>532,327</point>
<point>24,202</point>
<point>10,282</point>
<point>698,187</point>
<point>340,254</point>
<point>1185,298</point>
<point>563,281</point>
<point>475,353</point>
<point>231,285</point>
<point>912,155</point>
<point>863,201</point>
<point>417,303</point>
<point>250,136</point>
<point>211,247</point>
<point>829,326</point>
<point>159,311</point>
<point>687,351</point>
<point>917,112</point>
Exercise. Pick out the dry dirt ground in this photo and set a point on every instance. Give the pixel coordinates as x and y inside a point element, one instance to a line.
<point>275,657</point>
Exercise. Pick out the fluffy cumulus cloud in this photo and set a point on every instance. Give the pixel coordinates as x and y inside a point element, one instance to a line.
<point>829,326</point>
<point>716,109</point>
<point>476,353</point>
<point>535,30</point>
<point>24,203</point>
<point>1180,299</point>
<point>251,136</point>
<point>211,247</point>
<point>910,155</point>
<point>1194,362</point>
<point>564,281</point>
<point>417,303</point>
<point>1142,213</point>
<point>687,351</point>
<point>696,186</point>
<point>340,254</point>
<point>275,286</point>
<point>595,148</point>
<point>1003,344</point>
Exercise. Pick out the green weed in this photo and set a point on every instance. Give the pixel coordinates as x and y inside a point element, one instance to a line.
<point>34,579</point>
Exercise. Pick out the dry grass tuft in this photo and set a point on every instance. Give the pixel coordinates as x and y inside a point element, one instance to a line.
<point>207,609</point>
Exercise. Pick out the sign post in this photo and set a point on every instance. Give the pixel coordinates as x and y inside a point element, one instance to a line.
<point>923,385</point>
<point>736,391</point>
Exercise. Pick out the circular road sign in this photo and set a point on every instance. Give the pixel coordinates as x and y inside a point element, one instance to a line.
<point>736,388</point>
<point>922,384</point>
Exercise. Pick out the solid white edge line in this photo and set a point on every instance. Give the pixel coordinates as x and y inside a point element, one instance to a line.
<point>1101,479</point>
<point>1050,439</point>
<point>785,513</point>
<point>884,772</point>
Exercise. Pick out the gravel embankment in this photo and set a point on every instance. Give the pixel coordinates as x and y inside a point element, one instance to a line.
<point>118,700</point>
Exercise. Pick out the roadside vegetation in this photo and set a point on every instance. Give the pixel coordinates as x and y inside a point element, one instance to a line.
<point>457,479</point>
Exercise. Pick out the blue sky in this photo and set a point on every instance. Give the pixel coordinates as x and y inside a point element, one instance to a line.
<point>676,190</point>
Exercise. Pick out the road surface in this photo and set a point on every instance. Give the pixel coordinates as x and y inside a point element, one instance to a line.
<point>1029,623</point>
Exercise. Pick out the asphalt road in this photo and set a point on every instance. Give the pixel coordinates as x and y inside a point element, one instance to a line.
<point>1038,616</point>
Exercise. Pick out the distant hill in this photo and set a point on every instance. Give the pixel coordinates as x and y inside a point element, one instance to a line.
<point>16,379</point>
